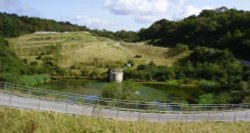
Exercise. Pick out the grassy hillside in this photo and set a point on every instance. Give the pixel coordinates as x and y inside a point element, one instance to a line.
<point>79,52</point>
<point>44,122</point>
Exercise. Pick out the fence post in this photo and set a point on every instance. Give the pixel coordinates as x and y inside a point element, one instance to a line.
<point>5,86</point>
<point>139,116</point>
<point>82,109</point>
<point>10,99</point>
<point>39,103</point>
<point>66,109</point>
<point>93,110</point>
<point>159,117</point>
<point>177,117</point>
<point>117,111</point>
<point>193,116</point>
<point>235,116</point>
<point>246,116</point>
<point>222,116</point>
<point>208,115</point>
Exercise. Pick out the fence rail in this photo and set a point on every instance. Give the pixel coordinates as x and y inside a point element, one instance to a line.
<point>41,99</point>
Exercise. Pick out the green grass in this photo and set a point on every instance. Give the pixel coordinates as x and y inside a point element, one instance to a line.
<point>21,121</point>
<point>78,51</point>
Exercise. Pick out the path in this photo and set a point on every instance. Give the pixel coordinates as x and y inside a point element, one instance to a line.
<point>64,107</point>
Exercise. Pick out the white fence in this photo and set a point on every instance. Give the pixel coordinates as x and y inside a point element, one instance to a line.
<point>43,100</point>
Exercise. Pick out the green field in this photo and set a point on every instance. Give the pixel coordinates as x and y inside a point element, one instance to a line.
<point>21,121</point>
<point>83,51</point>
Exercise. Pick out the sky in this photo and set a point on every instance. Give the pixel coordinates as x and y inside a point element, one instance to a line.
<point>115,14</point>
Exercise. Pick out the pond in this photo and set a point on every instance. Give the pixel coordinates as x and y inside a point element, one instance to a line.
<point>148,91</point>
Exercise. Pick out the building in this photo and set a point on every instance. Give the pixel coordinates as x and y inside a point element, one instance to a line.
<point>116,75</point>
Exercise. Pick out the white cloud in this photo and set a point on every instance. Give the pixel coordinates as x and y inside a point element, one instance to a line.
<point>91,22</point>
<point>136,7</point>
<point>188,11</point>
<point>191,11</point>
<point>16,6</point>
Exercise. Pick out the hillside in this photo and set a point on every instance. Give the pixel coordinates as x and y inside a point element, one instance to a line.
<point>12,25</point>
<point>79,52</point>
<point>221,28</point>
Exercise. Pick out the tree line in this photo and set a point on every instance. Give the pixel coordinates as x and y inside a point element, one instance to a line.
<point>222,29</point>
<point>219,73</point>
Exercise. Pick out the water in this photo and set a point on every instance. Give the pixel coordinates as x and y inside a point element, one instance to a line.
<point>146,91</point>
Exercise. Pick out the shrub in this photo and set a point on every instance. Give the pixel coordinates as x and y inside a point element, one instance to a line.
<point>111,90</point>
<point>206,99</point>
<point>223,98</point>
<point>33,63</point>
<point>125,91</point>
<point>209,86</point>
<point>181,47</point>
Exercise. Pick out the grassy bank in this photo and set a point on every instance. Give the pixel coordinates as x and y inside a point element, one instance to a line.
<point>82,54</point>
<point>13,120</point>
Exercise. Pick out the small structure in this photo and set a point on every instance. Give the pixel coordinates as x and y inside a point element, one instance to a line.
<point>116,75</point>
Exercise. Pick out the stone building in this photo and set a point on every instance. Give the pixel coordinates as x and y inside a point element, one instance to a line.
<point>116,75</point>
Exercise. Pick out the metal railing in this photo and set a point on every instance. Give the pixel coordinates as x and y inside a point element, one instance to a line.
<point>42,99</point>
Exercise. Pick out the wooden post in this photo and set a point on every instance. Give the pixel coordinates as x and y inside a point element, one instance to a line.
<point>139,116</point>
<point>246,116</point>
<point>66,109</point>
<point>117,113</point>
<point>235,114</point>
<point>39,104</point>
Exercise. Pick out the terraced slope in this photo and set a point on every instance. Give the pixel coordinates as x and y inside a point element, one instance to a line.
<point>76,50</point>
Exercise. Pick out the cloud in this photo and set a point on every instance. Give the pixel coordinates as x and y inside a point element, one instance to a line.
<point>91,22</point>
<point>17,7</point>
<point>188,11</point>
<point>136,7</point>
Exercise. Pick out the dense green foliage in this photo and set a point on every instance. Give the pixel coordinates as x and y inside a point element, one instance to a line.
<point>12,25</point>
<point>127,36</point>
<point>218,73</point>
<point>9,62</point>
<point>229,28</point>
<point>150,72</point>
<point>125,91</point>
<point>14,70</point>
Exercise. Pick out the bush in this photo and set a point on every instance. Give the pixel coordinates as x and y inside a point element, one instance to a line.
<point>210,86</point>
<point>26,80</point>
<point>150,72</point>
<point>111,90</point>
<point>181,47</point>
<point>125,91</point>
<point>223,98</point>
<point>207,99</point>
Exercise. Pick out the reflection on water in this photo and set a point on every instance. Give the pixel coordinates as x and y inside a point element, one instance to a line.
<point>149,92</point>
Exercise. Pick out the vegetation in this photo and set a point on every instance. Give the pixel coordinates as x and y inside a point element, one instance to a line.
<point>222,29</point>
<point>214,36</point>
<point>219,74</point>
<point>14,70</point>
<point>39,122</point>
<point>82,54</point>
<point>125,91</point>
<point>12,25</point>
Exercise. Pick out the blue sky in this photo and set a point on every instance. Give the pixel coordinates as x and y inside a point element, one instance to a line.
<point>115,14</point>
